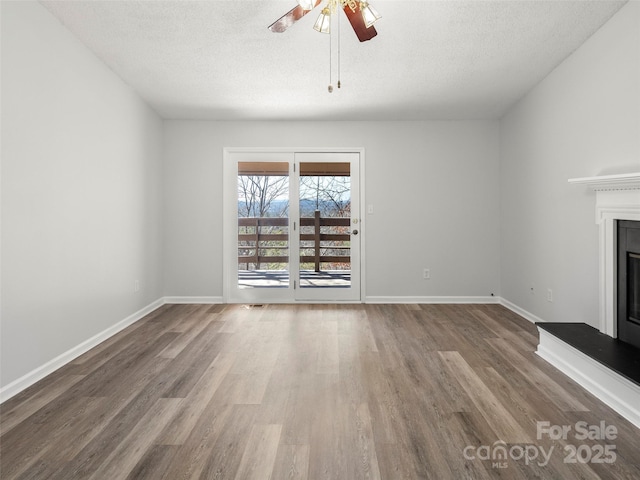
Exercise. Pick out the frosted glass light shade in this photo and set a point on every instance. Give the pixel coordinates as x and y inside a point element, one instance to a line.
<point>323,23</point>
<point>369,14</point>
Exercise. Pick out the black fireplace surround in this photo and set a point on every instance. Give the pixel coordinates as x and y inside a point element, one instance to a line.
<point>629,281</point>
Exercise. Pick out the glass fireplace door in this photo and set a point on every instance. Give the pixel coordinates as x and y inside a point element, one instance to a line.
<point>628,311</point>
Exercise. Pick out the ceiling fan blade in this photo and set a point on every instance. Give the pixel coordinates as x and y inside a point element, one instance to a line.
<point>354,14</point>
<point>289,18</point>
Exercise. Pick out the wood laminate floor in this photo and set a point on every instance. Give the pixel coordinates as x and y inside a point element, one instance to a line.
<point>314,392</point>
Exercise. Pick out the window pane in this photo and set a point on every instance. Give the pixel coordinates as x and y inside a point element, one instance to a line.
<point>325,220</point>
<point>263,224</point>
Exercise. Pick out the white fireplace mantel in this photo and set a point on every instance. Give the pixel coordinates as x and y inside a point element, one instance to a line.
<point>625,181</point>
<point>617,198</point>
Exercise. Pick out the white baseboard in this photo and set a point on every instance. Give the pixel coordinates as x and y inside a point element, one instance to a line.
<point>617,392</point>
<point>520,311</point>
<point>39,373</point>
<point>202,300</point>
<point>410,299</point>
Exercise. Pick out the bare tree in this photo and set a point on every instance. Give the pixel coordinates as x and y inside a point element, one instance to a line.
<point>257,194</point>
<point>330,193</point>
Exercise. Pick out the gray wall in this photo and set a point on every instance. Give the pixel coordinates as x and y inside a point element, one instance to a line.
<point>434,186</point>
<point>81,193</point>
<point>582,120</point>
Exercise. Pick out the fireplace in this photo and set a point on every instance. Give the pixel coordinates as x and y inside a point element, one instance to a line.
<point>617,201</point>
<point>607,363</point>
<point>628,281</point>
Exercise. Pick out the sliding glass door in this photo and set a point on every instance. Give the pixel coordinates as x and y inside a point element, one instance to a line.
<point>292,227</point>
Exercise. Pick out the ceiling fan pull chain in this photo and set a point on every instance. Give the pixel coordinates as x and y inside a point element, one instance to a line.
<point>330,88</point>
<point>338,33</point>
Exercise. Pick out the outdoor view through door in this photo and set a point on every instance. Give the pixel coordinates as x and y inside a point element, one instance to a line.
<point>263,224</point>
<point>325,224</point>
<point>297,234</point>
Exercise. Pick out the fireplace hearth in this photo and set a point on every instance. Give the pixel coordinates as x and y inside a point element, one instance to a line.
<point>606,360</point>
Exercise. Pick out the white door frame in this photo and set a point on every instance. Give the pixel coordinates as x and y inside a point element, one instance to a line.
<point>231,155</point>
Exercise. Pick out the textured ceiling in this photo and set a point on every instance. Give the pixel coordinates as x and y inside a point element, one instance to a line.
<point>431,59</point>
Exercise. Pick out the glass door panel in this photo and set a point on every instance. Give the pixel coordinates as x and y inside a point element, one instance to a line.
<point>328,215</point>
<point>263,225</point>
<point>325,223</point>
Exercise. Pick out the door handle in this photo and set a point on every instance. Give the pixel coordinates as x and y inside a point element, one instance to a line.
<point>354,232</point>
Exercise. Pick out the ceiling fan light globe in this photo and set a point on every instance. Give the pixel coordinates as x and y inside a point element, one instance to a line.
<point>323,23</point>
<point>307,4</point>
<point>369,14</point>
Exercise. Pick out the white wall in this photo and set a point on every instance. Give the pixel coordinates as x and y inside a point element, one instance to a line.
<point>81,193</point>
<point>434,186</point>
<point>582,120</point>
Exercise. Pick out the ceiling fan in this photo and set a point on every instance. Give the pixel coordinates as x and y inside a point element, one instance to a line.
<point>360,14</point>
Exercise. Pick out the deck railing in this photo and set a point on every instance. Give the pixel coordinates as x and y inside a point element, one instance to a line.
<point>265,247</point>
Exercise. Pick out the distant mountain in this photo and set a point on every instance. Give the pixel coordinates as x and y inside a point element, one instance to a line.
<point>307,207</point>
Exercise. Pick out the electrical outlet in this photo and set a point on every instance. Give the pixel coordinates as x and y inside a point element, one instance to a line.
<point>136,286</point>
<point>549,295</point>
<point>426,274</point>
